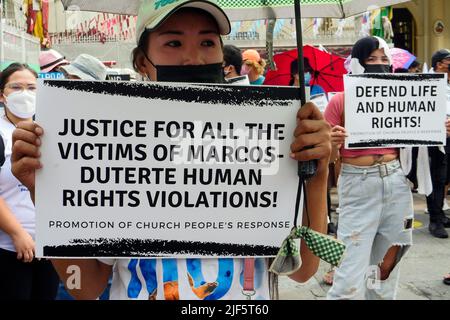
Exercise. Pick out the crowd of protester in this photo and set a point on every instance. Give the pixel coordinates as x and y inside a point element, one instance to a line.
<point>370,223</point>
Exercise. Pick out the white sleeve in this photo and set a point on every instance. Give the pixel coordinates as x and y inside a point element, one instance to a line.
<point>424,182</point>
<point>406,160</point>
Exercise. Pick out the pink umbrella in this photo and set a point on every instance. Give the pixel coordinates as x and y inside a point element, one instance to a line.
<point>401,58</point>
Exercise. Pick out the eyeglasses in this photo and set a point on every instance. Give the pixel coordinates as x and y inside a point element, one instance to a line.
<point>18,87</point>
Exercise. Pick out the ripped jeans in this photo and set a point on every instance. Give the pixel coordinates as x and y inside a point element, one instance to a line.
<point>376,214</point>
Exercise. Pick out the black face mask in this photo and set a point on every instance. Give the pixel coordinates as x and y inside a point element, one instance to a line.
<point>377,68</point>
<point>205,73</point>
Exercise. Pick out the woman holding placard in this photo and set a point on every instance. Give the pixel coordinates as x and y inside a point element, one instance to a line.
<point>375,200</point>
<point>180,42</point>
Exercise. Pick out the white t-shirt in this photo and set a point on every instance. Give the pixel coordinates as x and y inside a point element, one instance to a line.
<point>185,279</point>
<point>12,191</point>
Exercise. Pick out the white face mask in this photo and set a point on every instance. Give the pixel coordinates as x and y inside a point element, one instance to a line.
<point>22,104</point>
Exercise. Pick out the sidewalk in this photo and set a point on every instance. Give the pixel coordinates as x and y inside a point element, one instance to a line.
<point>421,273</point>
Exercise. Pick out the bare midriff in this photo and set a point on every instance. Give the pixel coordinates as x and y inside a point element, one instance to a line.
<point>370,160</point>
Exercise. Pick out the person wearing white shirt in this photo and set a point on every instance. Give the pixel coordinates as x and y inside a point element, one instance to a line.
<point>23,276</point>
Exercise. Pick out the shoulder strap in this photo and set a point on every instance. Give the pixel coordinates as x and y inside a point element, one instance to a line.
<point>249,278</point>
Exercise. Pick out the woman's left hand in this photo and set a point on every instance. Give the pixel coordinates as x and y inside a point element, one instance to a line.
<point>314,133</point>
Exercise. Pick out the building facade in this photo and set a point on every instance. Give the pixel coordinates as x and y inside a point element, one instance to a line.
<point>426,24</point>
<point>420,26</point>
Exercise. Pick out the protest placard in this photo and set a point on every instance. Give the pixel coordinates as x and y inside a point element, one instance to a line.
<point>395,110</point>
<point>144,169</point>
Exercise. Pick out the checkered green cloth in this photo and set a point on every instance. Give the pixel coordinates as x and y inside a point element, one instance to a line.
<point>273,3</point>
<point>325,247</point>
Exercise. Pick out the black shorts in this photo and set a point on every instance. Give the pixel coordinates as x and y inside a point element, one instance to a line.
<point>36,280</point>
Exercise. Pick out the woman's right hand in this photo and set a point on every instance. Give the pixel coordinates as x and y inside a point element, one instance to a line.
<point>338,135</point>
<point>24,245</point>
<point>25,153</point>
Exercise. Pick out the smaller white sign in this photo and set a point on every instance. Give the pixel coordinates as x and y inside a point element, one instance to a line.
<point>395,110</point>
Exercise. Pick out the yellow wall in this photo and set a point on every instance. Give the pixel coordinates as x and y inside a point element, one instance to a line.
<point>425,13</point>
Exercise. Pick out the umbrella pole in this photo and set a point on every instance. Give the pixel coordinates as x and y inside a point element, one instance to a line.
<point>305,169</point>
<point>299,36</point>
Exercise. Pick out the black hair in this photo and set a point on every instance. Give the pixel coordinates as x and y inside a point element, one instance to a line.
<point>306,64</point>
<point>294,69</point>
<point>401,70</point>
<point>415,64</point>
<point>363,48</point>
<point>143,42</point>
<point>141,47</point>
<point>10,70</point>
<point>232,55</point>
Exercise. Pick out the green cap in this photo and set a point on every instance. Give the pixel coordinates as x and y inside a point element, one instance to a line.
<point>153,13</point>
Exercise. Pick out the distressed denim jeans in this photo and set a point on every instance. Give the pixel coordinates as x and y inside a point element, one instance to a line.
<point>376,214</point>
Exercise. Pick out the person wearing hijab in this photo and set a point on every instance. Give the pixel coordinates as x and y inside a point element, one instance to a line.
<point>375,221</point>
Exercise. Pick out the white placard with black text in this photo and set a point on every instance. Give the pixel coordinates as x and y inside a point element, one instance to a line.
<point>142,169</point>
<point>395,110</point>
